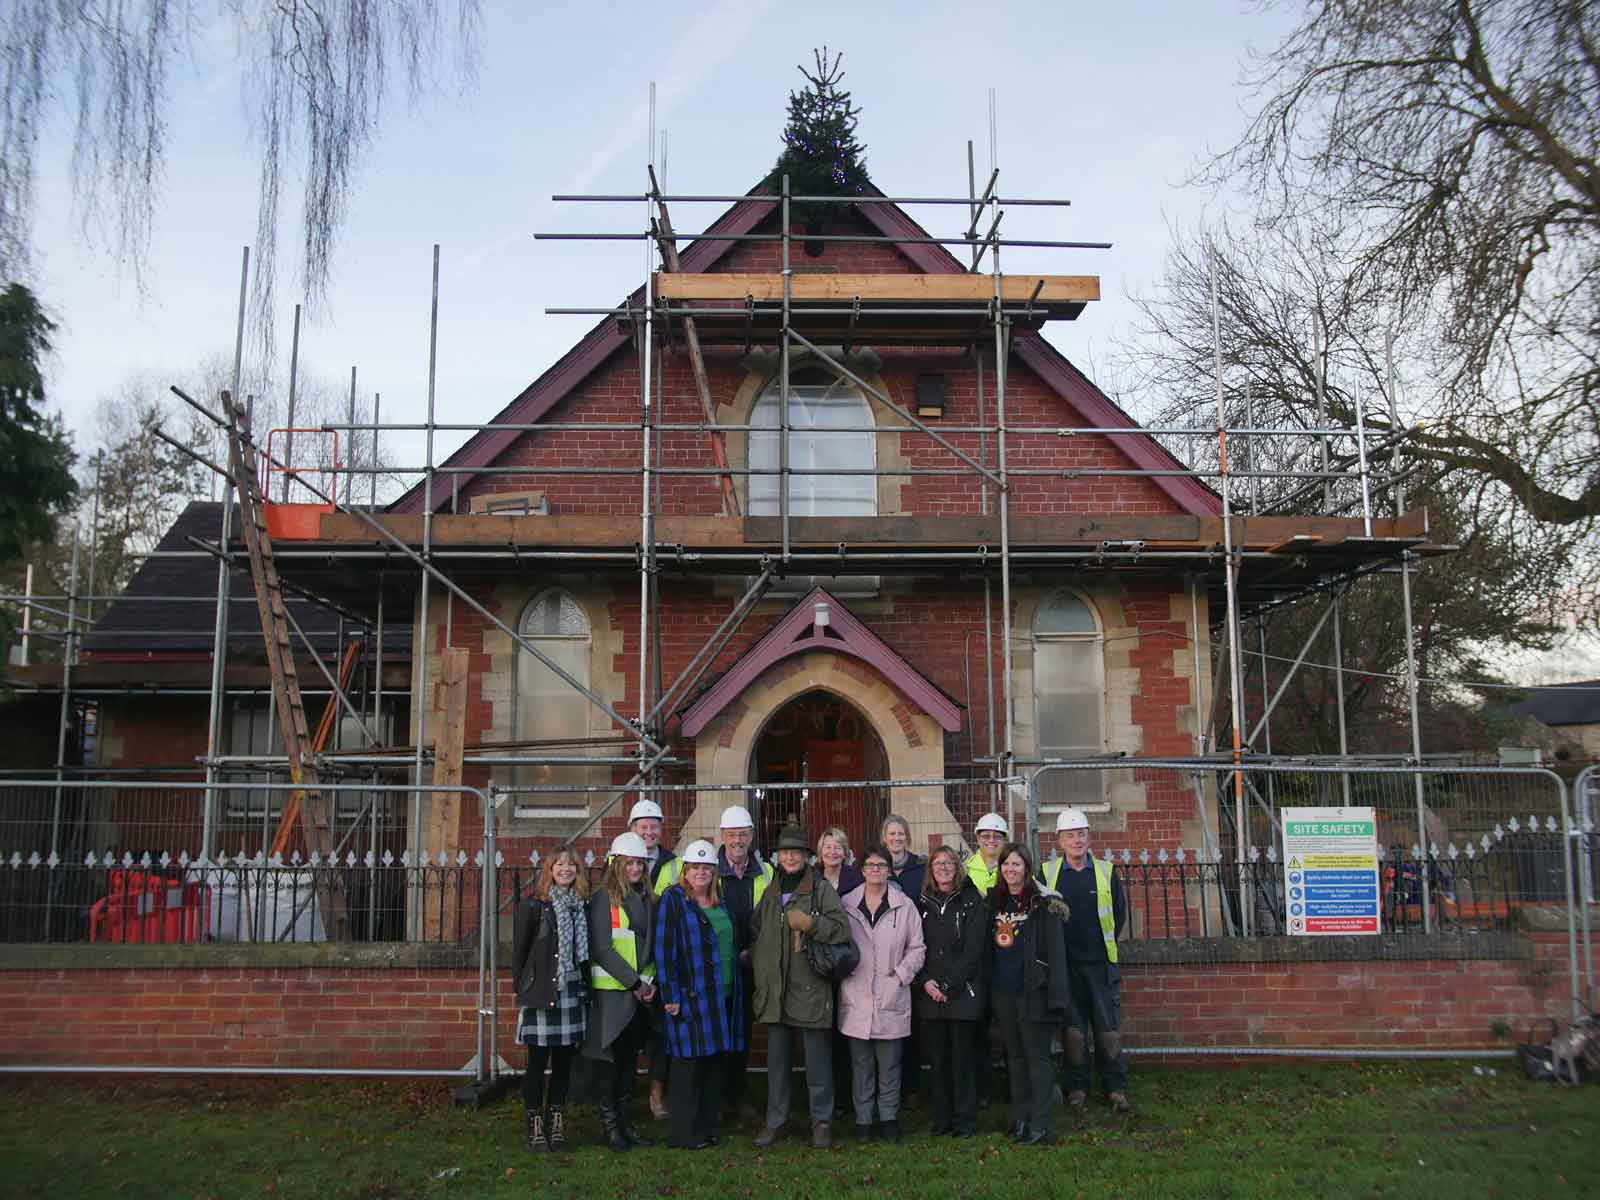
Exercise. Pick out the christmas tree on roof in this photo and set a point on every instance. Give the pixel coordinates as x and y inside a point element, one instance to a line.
<point>821,155</point>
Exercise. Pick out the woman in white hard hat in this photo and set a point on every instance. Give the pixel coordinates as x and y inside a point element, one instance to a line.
<point>622,982</point>
<point>983,868</point>
<point>698,944</point>
<point>661,872</point>
<point>1093,891</point>
<point>743,878</point>
<point>548,966</point>
<point>1028,988</point>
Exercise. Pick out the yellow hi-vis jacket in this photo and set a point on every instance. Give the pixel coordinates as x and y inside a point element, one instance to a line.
<point>624,942</point>
<point>981,873</point>
<point>1102,898</point>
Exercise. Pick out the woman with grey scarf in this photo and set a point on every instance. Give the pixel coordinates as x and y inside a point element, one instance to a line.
<point>551,967</point>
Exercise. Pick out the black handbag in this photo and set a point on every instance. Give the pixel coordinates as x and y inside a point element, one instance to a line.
<point>832,961</point>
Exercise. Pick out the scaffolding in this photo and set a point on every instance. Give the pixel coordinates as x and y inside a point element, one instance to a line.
<point>1250,563</point>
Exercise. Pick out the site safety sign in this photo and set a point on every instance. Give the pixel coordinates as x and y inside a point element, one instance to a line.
<point>1331,871</point>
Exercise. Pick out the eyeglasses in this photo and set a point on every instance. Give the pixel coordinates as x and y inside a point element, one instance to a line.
<point>875,866</point>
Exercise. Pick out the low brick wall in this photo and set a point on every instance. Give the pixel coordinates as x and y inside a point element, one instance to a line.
<point>405,1007</point>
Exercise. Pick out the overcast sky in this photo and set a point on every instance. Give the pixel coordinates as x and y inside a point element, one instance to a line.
<point>1106,106</point>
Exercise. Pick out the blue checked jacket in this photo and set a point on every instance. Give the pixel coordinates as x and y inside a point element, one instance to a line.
<point>689,972</point>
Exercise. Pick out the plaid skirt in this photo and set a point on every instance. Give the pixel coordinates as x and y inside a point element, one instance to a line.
<point>561,1025</point>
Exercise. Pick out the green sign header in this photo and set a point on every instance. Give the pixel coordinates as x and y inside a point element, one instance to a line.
<point>1330,828</point>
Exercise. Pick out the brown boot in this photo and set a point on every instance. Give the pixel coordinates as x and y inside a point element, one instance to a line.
<point>1119,1103</point>
<point>821,1135</point>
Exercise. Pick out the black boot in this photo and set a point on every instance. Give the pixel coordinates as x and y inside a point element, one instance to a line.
<point>625,1124</point>
<point>557,1128</point>
<point>611,1129</point>
<point>536,1140</point>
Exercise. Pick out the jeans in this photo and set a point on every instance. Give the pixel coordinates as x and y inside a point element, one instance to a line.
<point>1028,1056</point>
<point>875,1075</point>
<point>818,1047</point>
<point>1097,1006</point>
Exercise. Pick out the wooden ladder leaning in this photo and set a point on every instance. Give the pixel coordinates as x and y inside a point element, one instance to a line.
<point>309,800</point>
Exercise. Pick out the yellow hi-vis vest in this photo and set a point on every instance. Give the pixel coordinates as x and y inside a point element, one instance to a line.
<point>1102,898</point>
<point>981,873</point>
<point>625,943</point>
<point>669,876</point>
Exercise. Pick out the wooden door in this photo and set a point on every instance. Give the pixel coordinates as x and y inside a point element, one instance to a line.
<point>844,807</point>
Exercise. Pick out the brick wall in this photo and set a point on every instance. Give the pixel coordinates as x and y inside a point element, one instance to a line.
<point>611,395</point>
<point>419,1017</point>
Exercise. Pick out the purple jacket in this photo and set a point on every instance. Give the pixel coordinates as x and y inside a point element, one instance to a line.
<point>875,999</point>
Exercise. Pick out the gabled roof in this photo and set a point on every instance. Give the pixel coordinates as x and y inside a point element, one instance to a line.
<point>601,342</point>
<point>1562,704</point>
<point>797,632</point>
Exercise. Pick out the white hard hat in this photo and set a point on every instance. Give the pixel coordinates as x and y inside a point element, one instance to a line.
<point>644,808</point>
<point>629,845</point>
<point>699,851</point>
<point>1071,818</point>
<point>993,822</point>
<point>736,816</point>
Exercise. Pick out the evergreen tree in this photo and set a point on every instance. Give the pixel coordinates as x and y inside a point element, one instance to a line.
<point>36,455</point>
<point>821,155</point>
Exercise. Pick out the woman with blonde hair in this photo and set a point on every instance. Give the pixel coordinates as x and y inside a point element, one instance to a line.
<point>622,977</point>
<point>698,944</point>
<point>833,861</point>
<point>548,967</point>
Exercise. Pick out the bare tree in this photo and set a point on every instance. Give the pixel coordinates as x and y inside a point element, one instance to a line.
<point>1426,171</point>
<point>318,75</point>
<point>1442,159</point>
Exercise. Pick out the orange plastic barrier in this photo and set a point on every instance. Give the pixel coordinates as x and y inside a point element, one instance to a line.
<point>143,907</point>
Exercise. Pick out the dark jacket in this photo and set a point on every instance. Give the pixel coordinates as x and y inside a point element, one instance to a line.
<point>955,929</point>
<point>1046,994</point>
<point>911,874</point>
<point>787,990</point>
<point>739,894</point>
<point>611,1010</point>
<point>536,956</point>
<point>690,971</point>
<point>850,878</point>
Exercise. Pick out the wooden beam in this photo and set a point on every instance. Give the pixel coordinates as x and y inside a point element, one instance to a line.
<point>1043,290</point>
<point>444,808</point>
<point>697,364</point>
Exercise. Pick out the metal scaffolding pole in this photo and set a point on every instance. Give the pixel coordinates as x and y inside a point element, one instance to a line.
<point>219,641</point>
<point>419,647</point>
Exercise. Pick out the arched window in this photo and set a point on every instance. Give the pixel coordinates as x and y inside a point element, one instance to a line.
<point>825,415</point>
<point>1068,695</point>
<point>549,708</point>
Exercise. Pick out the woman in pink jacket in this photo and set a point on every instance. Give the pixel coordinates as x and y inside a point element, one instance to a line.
<point>875,1000</point>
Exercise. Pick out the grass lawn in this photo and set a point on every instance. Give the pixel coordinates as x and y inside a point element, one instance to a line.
<point>1438,1129</point>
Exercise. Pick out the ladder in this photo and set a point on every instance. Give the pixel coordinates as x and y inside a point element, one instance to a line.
<point>316,817</point>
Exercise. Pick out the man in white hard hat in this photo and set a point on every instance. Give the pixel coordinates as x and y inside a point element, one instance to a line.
<point>744,881</point>
<point>992,833</point>
<point>661,868</point>
<point>1098,906</point>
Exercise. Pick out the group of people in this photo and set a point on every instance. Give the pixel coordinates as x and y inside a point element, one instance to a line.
<point>679,957</point>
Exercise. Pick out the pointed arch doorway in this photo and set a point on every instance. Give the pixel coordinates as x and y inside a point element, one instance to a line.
<point>819,737</point>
